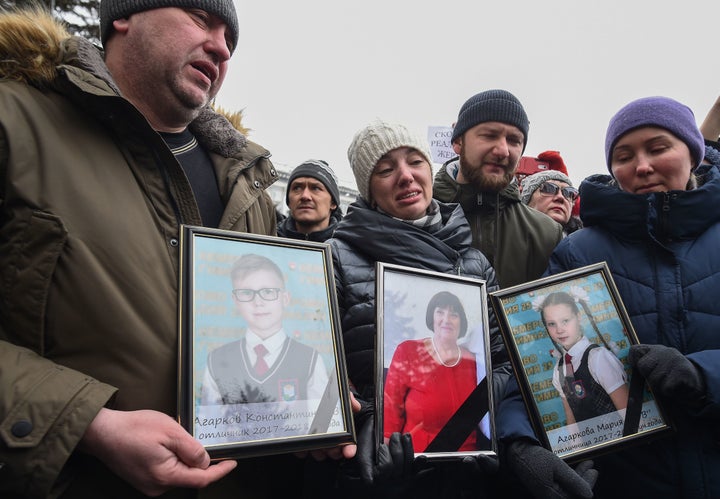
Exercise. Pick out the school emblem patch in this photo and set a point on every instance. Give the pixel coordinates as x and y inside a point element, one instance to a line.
<point>288,389</point>
<point>578,389</point>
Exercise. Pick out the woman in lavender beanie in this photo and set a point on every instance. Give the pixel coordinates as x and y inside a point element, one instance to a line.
<point>656,225</point>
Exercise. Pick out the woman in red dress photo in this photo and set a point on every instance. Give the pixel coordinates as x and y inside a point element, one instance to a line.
<point>429,378</point>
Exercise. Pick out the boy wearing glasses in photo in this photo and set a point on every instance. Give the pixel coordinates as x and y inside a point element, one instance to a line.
<point>265,365</point>
<point>552,193</point>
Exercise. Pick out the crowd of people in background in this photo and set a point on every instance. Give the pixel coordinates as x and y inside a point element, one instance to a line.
<point>105,153</point>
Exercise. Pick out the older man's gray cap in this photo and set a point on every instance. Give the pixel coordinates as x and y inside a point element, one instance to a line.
<point>111,10</point>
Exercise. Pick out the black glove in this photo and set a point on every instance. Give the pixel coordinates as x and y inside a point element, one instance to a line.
<point>478,477</point>
<point>545,475</point>
<point>480,465</point>
<point>669,373</point>
<point>394,463</point>
<point>472,477</point>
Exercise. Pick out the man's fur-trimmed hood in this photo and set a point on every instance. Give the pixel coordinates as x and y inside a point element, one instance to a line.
<point>30,46</point>
<point>33,45</point>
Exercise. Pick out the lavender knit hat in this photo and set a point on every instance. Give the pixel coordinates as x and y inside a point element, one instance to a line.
<point>372,143</point>
<point>661,112</point>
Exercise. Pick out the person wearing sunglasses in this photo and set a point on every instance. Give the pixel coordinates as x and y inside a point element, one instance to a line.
<point>265,365</point>
<point>552,193</point>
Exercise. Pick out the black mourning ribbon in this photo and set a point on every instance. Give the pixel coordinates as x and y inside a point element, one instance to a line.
<point>463,422</point>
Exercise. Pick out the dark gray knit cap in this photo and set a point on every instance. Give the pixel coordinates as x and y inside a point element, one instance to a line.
<point>111,10</point>
<point>319,170</point>
<point>492,105</point>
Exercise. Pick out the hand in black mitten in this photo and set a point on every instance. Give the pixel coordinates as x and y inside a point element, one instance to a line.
<point>545,475</point>
<point>394,463</point>
<point>669,373</point>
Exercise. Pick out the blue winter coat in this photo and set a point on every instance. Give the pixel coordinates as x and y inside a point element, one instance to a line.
<point>662,251</point>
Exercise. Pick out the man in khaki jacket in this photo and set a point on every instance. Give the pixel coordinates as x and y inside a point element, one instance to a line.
<point>101,161</point>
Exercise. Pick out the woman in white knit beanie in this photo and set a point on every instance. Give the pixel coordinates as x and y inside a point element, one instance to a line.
<point>379,140</point>
<point>397,221</point>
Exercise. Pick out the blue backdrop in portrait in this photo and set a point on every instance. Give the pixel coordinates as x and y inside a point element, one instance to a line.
<point>216,320</point>
<point>538,353</point>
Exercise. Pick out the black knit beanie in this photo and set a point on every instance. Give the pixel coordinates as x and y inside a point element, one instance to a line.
<point>492,105</point>
<point>319,170</point>
<point>111,10</point>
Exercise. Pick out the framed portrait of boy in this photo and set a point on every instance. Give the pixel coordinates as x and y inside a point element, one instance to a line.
<point>568,337</point>
<point>433,366</point>
<point>261,360</point>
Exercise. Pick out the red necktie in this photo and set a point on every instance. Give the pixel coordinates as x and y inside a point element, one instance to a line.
<point>569,372</point>
<point>261,366</point>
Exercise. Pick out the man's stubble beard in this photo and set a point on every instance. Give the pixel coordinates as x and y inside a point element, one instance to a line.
<point>484,183</point>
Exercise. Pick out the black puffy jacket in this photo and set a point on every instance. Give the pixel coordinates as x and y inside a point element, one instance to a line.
<point>366,236</point>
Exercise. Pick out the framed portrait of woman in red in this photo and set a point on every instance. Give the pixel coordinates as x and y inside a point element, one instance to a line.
<point>433,362</point>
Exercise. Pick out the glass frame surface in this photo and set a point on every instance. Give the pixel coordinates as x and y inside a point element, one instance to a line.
<point>538,361</point>
<point>301,401</point>
<point>403,297</point>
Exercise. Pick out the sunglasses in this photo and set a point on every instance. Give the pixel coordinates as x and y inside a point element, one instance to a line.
<point>550,189</point>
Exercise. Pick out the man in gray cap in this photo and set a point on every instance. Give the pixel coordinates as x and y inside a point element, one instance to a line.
<point>313,197</point>
<point>102,158</point>
<point>489,138</point>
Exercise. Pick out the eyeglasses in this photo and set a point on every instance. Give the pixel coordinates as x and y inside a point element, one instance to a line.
<point>267,294</point>
<point>550,189</point>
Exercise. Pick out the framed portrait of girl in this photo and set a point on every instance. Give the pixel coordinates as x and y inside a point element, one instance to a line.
<point>568,336</point>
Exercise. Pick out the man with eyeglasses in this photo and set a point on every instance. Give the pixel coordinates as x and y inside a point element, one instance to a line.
<point>265,365</point>
<point>489,138</point>
<point>552,193</point>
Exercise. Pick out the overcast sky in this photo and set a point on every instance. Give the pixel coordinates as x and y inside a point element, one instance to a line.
<point>309,74</point>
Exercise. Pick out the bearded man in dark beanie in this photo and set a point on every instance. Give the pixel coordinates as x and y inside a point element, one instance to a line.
<point>489,138</point>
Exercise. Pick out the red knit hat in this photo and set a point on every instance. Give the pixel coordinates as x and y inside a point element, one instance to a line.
<point>554,160</point>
